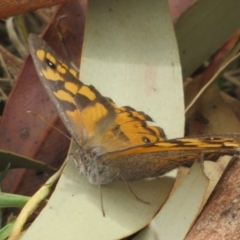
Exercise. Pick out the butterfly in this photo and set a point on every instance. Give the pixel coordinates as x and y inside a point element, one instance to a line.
<point>114,141</point>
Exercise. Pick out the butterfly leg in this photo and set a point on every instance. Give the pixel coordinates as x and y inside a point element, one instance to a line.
<point>206,155</point>
<point>101,197</point>
<point>200,158</point>
<point>100,191</point>
<point>130,189</point>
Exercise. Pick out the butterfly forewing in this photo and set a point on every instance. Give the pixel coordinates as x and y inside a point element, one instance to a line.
<point>89,117</point>
<point>130,147</point>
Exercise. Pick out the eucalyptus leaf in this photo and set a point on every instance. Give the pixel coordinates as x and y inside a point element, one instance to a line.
<point>130,55</point>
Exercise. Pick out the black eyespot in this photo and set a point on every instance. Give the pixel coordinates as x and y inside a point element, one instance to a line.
<point>50,64</point>
<point>146,140</point>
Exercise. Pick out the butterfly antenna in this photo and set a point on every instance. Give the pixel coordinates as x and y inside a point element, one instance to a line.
<point>130,189</point>
<point>44,120</point>
<point>100,191</point>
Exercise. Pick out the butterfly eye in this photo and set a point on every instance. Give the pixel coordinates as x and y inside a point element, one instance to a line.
<point>50,64</point>
<point>146,140</point>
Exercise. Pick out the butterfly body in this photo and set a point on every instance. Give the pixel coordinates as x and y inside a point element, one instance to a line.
<point>91,167</point>
<point>114,141</point>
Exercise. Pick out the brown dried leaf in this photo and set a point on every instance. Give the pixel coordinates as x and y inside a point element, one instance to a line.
<point>13,8</point>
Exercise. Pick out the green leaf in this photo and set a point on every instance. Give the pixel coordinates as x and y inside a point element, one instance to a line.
<point>6,230</point>
<point>12,200</point>
<point>19,161</point>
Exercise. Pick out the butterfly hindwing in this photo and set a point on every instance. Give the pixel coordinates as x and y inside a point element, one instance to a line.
<point>156,159</point>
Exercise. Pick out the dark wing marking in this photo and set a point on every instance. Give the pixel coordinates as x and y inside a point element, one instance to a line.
<point>85,112</point>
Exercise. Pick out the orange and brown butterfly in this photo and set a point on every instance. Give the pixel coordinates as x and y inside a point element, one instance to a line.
<point>114,141</point>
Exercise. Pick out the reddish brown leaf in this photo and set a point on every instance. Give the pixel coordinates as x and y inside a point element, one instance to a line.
<point>26,134</point>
